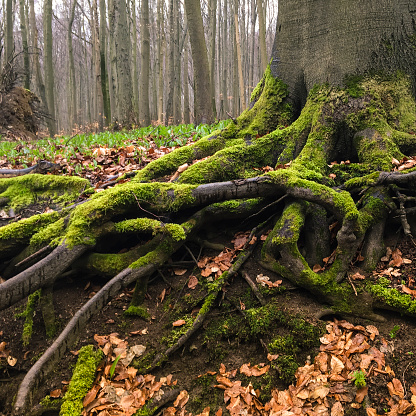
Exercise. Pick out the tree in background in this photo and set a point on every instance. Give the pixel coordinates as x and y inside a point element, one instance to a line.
<point>203,106</point>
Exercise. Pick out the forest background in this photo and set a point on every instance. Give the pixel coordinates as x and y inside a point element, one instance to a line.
<point>94,63</point>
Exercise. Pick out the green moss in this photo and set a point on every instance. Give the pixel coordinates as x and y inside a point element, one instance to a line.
<point>28,314</point>
<point>138,311</point>
<point>177,332</point>
<point>51,234</point>
<point>81,381</point>
<point>25,228</point>
<point>392,297</point>
<point>27,189</point>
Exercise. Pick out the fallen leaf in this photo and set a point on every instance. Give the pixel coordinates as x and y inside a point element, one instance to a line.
<point>193,282</point>
<point>179,272</point>
<point>180,322</point>
<point>55,394</point>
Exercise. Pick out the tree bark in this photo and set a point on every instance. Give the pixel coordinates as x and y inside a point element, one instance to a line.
<point>122,50</point>
<point>48,58</point>
<point>145,65</point>
<point>357,38</point>
<point>203,110</point>
<point>23,31</point>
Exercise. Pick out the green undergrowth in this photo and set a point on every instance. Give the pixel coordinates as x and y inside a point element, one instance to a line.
<point>26,152</point>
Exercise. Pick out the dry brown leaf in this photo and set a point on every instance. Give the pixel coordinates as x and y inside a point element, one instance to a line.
<point>55,394</point>
<point>162,295</point>
<point>337,409</point>
<point>371,412</point>
<point>396,258</point>
<point>182,399</point>
<point>224,381</point>
<point>395,388</point>
<point>361,393</point>
<point>179,322</point>
<point>193,282</point>
<point>357,276</point>
<point>336,365</point>
<point>179,272</point>
<point>11,361</point>
<point>411,292</point>
<point>317,268</point>
<point>205,412</point>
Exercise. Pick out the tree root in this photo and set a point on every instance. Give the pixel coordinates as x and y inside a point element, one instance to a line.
<point>215,289</point>
<point>39,275</point>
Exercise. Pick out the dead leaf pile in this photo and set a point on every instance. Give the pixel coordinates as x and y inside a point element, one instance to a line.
<point>395,262</point>
<point>213,267</point>
<point>121,391</point>
<point>404,163</point>
<point>327,386</point>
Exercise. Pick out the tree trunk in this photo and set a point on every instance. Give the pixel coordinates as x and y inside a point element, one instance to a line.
<point>9,43</point>
<point>358,37</point>
<point>145,65</point>
<point>23,31</point>
<point>122,49</point>
<point>203,110</point>
<point>262,35</point>
<point>103,63</point>
<point>48,58</point>
<point>72,87</point>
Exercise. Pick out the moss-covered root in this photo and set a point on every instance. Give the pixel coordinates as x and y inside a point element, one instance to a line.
<point>81,381</point>
<point>137,270</point>
<point>39,275</point>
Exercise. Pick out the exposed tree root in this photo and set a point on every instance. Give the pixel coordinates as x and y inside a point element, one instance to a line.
<point>328,213</point>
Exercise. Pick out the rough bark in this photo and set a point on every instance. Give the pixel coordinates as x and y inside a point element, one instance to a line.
<point>321,41</point>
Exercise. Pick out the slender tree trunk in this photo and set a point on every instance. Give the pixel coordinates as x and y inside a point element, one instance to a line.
<point>23,31</point>
<point>212,63</point>
<point>145,65</point>
<point>9,44</point>
<point>99,114</point>
<point>72,90</point>
<point>103,63</point>
<point>177,102</point>
<point>122,47</point>
<point>112,60</point>
<point>171,91</point>
<point>134,60</point>
<point>186,109</point>
<point>203,107</point>
<point>48,58</point>
<point>239,61</point>
<point>262,35</point>
<point>160,60</point>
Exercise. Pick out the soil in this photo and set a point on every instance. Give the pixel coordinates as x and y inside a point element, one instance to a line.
<point>19,114</point>
<point>199,355</point>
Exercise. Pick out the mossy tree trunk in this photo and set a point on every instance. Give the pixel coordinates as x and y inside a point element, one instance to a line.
<point>327,95</point>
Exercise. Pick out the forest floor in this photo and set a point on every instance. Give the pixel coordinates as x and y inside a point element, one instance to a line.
<point>224,352</point>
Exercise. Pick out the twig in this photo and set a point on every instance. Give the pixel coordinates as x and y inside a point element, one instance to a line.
<point>267,206</point>
<point>352,285</point>
<point>34,255</point>
<point>254,288</point>
<point>232,118</point>
<point>192,254</point>
<point>148,212</point>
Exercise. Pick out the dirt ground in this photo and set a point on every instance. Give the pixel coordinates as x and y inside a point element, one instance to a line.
<point>198,356</point>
